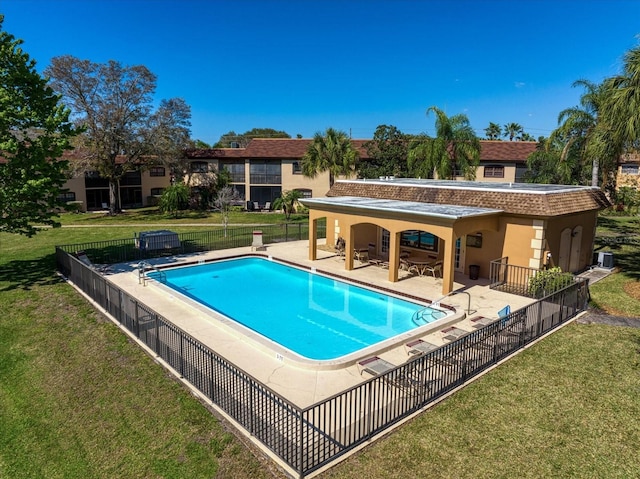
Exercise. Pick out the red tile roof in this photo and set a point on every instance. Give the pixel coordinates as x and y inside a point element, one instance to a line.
<point>514,151</point>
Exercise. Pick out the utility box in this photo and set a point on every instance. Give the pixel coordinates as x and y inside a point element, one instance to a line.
<point>605,259</point>
<point>157,240</point>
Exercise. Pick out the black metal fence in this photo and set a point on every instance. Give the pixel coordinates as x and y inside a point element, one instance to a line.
<point>123,250</point>
<point>309,438</point>
<point>525,281</point>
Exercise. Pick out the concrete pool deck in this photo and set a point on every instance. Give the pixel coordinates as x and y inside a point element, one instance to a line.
<point>300,384</point>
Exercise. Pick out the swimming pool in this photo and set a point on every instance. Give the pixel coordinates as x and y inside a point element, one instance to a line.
<point>315,316</point>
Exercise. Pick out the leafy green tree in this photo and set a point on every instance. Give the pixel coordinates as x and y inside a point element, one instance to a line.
<point>387,154</point>
<point>174,199</point>
<point>114,104</point>
<point>455,148</point>
<point>331,152</point>
<point>34,132</point>
<point>512,131</point>
<point>287,202</point>
<point>243,139</point>
<point>545,165</point>
<point>493,131</point>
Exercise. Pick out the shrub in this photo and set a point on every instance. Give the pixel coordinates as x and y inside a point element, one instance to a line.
<point>548,281</point>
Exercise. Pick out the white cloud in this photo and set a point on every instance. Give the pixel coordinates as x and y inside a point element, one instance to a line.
<point>520,84</point>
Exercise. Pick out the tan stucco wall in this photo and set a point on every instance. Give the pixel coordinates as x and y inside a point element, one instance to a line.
<point>290,181</point>
<point>624,179</point>
<point>77,186</point>
<point>588,221</point>
<point>509,175</point>
<point>149,182</point>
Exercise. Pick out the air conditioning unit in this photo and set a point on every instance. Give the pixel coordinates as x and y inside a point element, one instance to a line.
<point>605,260</point>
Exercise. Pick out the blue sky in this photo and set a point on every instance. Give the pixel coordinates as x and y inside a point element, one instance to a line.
<point>302,66</point>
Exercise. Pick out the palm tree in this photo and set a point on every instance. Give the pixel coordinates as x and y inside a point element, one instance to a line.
<point>493,131</point>
<point>585,135</point>
<point>287,202</point>
<point>456,147</point>
<point>332,152</point>
<point>512,130</point>
<point>621,107</point>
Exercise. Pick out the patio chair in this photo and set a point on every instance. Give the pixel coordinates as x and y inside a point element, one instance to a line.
<point>267,206</point>
<point>256,206</point>
<point>504,312</point>
<point>435,270</point>
<point>340,246</point>
<point>361,254</point>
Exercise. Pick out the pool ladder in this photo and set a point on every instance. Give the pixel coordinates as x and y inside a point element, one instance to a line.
<point>142,270</point>
<point>418,316</point>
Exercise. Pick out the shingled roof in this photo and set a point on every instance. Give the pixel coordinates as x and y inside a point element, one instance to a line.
<point>513,198</point>
<point>295,148</point>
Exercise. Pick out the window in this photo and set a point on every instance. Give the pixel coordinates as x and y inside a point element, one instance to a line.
<point>491,171</point>
<point>157,171</point>
<point>263,172</point>
<point>297,168</point>
<point>199,167</point>
<point>67,196</point>
<point>236,171</point>
<point>629,169</point>
<point>419,239</point>
<point>131,178</point>
<point>306,193</point>
<point>157,191</point>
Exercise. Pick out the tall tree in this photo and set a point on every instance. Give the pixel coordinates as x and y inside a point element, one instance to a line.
<point>114,105</point>
<point>330,152</point>
<point>455,148</point>
<point>621,107</point>
<point>545,165</point>
<point>588,138</point>
<point>231,139</point>
<point>512,131</point>
<point>34,132</point>
<point>493,131</point>
<point>387,153</point>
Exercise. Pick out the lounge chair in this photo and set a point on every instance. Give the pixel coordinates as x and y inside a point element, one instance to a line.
<point>452,333</point>
<point>84,259</point>
<point>481,321</point>
<point>419,347</point>
<point>402,378</point>
<point>504,312</point>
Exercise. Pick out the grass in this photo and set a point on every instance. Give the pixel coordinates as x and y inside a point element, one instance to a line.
<point>153,215</point>
<point>79,400</point>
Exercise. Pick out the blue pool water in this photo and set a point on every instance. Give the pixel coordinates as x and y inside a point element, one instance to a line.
<point>315,316</point>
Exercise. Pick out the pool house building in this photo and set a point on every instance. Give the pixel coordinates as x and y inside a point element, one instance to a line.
<point>458,226</point>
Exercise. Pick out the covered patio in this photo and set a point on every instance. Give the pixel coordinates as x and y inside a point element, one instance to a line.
<point>365,223</point>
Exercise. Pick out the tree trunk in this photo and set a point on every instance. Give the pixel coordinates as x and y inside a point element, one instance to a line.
<point>114,207</point>
<point>594,173</point>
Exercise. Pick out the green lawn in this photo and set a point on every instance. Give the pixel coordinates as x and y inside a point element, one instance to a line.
<point>79,400</point>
